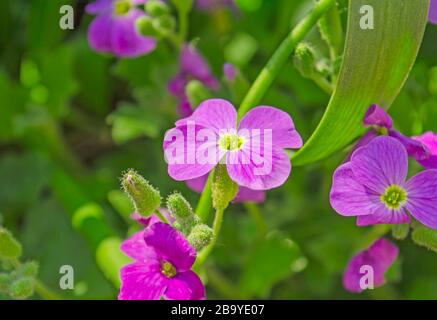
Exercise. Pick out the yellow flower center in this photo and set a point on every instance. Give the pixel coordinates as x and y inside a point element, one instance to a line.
<point>231,142</point>
<point>122,7</point>
<point>168,269</point>
<point>394,197</point>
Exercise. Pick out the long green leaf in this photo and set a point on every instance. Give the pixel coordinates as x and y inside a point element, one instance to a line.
<point>375,66</point>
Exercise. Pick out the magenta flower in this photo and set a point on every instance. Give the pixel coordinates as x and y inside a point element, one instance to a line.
<point>243,195</point>
<point>162,267</point>
<point>379,256</point>
<point>230,72</point>
<point>433,12</point>
<point>429,140</point>
<point>192,66</point>
<point>253,152</point>
<point>114,29</point>
<point>373,187</point>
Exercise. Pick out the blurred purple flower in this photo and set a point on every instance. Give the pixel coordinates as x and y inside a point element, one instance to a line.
<point>379,256</point>
<point>242,148</point>
<point>373,186</point>
<point>243,195</point>
<point>433,12</point>
<point>230,72</point>
<point>192,66</point>
<point>114,29</point>
<point>162,267</point>
<point>429,140</point>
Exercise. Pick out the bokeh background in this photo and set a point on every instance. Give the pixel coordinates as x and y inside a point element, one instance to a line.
<point>72,120</point>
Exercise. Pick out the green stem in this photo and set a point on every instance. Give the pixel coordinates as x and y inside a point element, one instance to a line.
<point>161,217</point>
<point>201,258</point>
<point>255,212</point>
<point>203,208</point>
<point>323,83</point>
<point>282,54</point>
<point>44,292</point>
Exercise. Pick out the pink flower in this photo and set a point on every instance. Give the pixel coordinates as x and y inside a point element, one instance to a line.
<point>433,12</point>
<point>253,152</point>
<point>162,267</point>
<point>114,29</point>
<point>379,257</point>
<point>373,186</point>
<point>429,140</point>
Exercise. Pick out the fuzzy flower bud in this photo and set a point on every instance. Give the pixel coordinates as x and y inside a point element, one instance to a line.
<point>224,189</point>
<point>146,27</point>
<point>156,8</point>
<point>181,210</point>
<point>144,196</point>
<point>400,231</point>
<point>9,247</point>
<point>200,236</point>
<point>21,288</point>
<point>304,59</point>
<point>5,280</point>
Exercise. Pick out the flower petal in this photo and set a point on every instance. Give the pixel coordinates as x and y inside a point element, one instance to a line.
<point>135,247</point>
<point>275,120</point>
<point>142,281</point>
<point>99,33</point>
<point>415,149</point>
<point>99,6</point>
<point>429,140</point>
<point>194,65</point>
<point>125,38</point>
<point>363,141</point>
<point>170,245</point>
<point>433,12</point>
<point>348,196</point>
<point>185,286</point>
<point>381,163</point>
<point>248,195</point>
<point>216,114</point>
<point>383,215</point>
<point>377,116</point>
<point>258,169</point>
<point>189,153</point>
<point>379,256</point>
<point>422,197</point>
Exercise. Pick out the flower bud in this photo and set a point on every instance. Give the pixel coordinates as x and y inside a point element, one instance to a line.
<point>164,25</point>
<point>29,269</point>
<point>400,231</point>
<point>178,206</point>
<point>21,288</point>
<point>9,247</point>
<point>425,237</point>
<point>156,8</point>
<point>224,189</point>
<point>304,60</point>
<point>145,27</point>
<point>144,196</point>
<point>200,236</point>
<point>196,92</point>
<point>183,5</point>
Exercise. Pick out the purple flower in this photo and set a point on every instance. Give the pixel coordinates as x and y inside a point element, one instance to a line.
<point>379,256</point>
<point>243,195</point>
<point>381,123</point>
<point>114,29</point>
<point>253,152</point>
<point>230,72</point>
<point>429,140</point>
<point>192,66</point>
<point>433,12</point>
<point>373,186</point>
<point>162,267</point>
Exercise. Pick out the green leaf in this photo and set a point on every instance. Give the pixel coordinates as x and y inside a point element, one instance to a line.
<point>425,237</point>
<point>375,66</point>
<point>270,261</point>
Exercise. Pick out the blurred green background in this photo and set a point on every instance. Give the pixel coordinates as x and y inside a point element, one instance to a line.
<point>72,120</point>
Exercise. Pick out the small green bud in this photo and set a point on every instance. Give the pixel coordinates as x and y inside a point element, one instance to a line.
<point>156,8</point>
<point>178,206</point>
<point>196,93</point>
<point>144,196</point>
<point>425,237</point>
<point>224,189</point>
<point>183,5</point>
<point>5,280</point>
<point>304,59</point>
<point>29,269</point>
<point>146,28</point>
<point>21,288</point>
<point>9,247</point>
<point>164,25</point>
<point>200,236</point>
<point>400,231</point>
